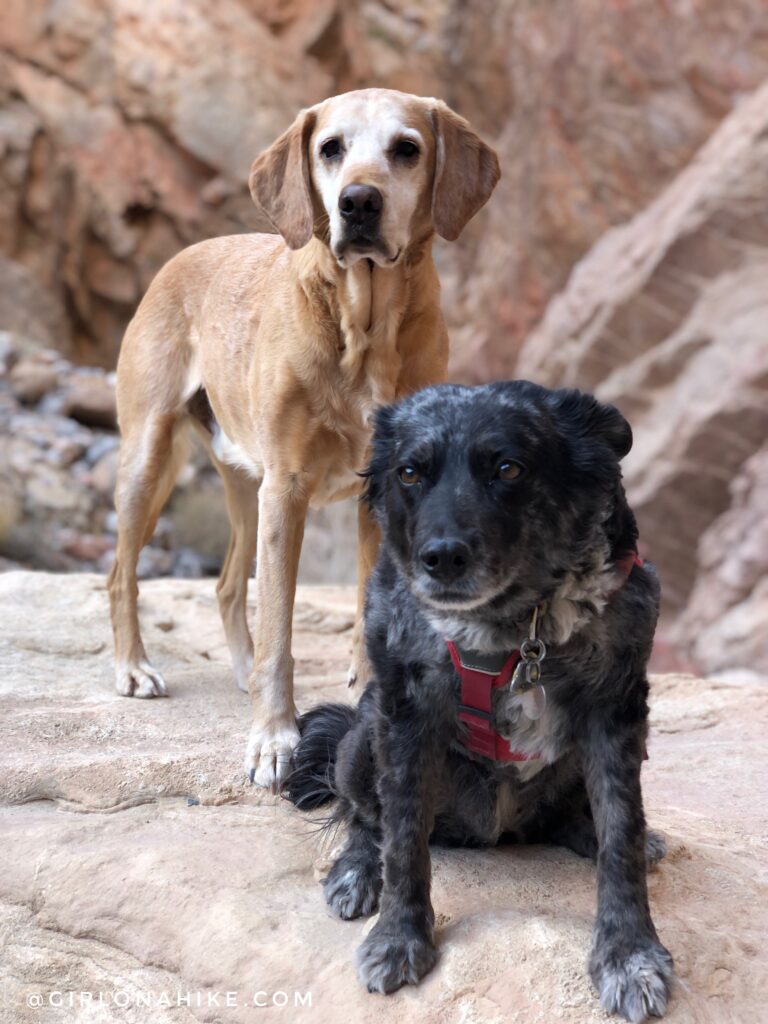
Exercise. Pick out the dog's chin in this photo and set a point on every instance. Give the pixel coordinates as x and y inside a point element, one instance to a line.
<point>348,253</point>
<point>453,599</point>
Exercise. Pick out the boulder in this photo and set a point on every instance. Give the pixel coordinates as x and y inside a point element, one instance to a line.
<point>32,379</point>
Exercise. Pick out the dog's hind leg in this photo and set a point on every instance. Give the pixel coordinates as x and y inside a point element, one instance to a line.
<point>242,494</point>
<point>353,885</point>
<point>150,457</point>
<point>569,823</point>
<point>578,833</point>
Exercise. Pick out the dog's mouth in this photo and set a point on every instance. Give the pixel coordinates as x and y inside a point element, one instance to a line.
<point>457,597</point>
<point>360,247</point>
<point>451,598</point>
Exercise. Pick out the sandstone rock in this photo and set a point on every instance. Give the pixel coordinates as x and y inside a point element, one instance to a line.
<point>85,547</point>
<point>103,476</point>
<point>118,116</point>
<point>725,622</point>
<point>666,317</point>
<point>31,380</point>
<point>127,130</point>
<point>201,520</point>
<point>57,476</point>
<point>90,399</point>
<point>27,307</point>
<point>136,859</point>
<point>594,108</point>
<point>48,489</point>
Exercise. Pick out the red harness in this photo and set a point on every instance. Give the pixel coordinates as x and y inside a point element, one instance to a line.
<point>481,674</point>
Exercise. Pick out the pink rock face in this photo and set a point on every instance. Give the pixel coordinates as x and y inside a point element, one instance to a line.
<point>129,128</point>
<point>116,117</point>
<point>665,317</point>
<point>725,624</point>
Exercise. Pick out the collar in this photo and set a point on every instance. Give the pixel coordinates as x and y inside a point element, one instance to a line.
<point>480,674</point>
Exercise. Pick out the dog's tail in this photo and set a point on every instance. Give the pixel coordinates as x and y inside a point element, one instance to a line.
<point>311,783</point>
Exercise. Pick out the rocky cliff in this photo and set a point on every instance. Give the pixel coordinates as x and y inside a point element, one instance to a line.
<point>666,317</point>
<point>127,130</point>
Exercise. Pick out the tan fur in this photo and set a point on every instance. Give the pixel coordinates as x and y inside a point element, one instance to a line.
<point>294,346</point>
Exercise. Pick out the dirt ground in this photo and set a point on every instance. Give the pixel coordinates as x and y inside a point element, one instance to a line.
<point>144,881</point>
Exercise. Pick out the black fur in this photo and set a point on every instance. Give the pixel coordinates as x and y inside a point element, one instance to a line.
<point>311,780</point>
<point>470,546</point>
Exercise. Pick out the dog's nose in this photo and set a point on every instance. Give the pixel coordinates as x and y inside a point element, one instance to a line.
<point>360,205</point>
<point>446,559</point>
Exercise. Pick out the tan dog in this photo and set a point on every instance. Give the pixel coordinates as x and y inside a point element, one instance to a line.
<point>277,350</point>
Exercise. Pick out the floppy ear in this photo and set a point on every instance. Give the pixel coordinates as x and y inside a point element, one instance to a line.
<point>280,183</point>
<point>381,454</point>
<point>466,172</point>
<point>593,419</point>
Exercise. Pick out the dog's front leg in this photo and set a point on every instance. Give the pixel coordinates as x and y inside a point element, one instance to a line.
<point>630,968</point>
<point>273,736</point>
<point>400,948</point>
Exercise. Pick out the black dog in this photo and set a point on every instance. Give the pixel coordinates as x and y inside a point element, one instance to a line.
<point>505,529</point>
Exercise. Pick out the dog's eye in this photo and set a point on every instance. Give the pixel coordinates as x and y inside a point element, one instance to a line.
<point>331,149</point>
<point>408,475</point>
<point>509,470</point>
<point>405,149</point>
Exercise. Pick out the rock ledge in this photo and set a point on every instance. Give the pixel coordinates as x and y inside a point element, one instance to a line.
<point>137,863</point>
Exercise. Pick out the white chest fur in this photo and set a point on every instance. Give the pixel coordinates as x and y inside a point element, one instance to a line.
<point>232,454</point>
<point>533,737</point>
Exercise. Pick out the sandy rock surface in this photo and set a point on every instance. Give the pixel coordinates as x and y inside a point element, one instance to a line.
<point>137,863</point>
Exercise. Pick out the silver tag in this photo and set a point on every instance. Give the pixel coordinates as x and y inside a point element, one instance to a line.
<point>534,702</point>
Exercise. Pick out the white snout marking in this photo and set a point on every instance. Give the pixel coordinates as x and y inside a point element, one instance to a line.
<point>367,138</point>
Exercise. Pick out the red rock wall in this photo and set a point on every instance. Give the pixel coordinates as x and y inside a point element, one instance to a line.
<point>127,129</point>
<point>666,317</point>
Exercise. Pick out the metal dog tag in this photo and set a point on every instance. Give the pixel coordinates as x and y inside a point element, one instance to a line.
<point>534,702</point>
<point>526,679</point>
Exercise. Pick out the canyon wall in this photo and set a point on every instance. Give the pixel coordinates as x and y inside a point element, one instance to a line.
<point>611,256</point>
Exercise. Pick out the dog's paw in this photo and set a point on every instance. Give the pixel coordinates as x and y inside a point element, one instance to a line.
<point>635,984</point>
<point>352,887</point>
<point>139,679</point>
<point>655,847</point>
<point>393,956</point>
<point>269,752</point>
